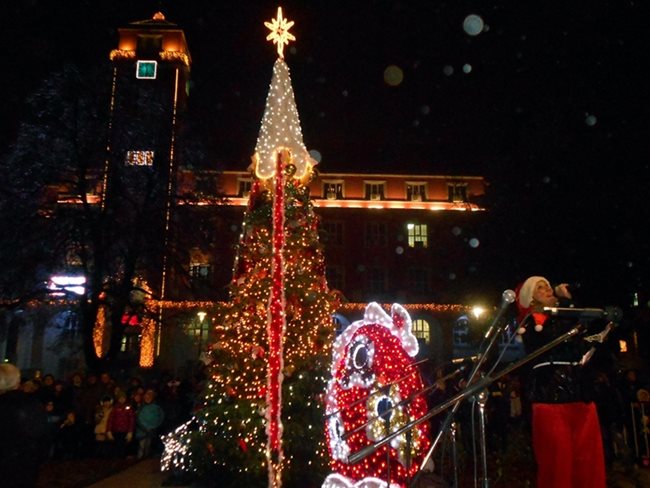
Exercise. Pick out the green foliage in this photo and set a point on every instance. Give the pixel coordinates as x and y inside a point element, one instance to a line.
<point>231,422</point>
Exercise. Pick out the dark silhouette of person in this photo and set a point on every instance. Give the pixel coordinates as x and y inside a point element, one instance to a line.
<point>24,434</point>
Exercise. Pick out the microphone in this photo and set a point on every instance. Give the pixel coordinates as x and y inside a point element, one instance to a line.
<point>575,285</point>
<point>508,297</point>
<point>612,313</point>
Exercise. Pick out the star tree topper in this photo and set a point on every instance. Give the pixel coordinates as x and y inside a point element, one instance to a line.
<point>281,124</point>
<point>280,34</point>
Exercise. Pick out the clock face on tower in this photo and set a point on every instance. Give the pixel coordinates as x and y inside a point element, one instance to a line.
<point>146,70</point>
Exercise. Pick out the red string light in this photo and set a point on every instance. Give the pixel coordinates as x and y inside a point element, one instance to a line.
<point>275,332</point>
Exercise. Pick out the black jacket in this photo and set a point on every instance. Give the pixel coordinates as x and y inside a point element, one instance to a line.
<point>24,438</point>
<point>556,376</point>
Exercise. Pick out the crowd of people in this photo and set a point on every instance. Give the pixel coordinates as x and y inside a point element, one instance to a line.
<point>580,417</point>
<point>86,415</point>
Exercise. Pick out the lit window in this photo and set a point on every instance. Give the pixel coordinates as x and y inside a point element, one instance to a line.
<point>375,190</point>
<point>461,331</point>
<point>417,235</point>
<point>333,233</point>
<point>198,330</point>
<point>139,158</point>
<point>375,234</point>
<point>333,190</point>
<point>58,285</point>
<point>338,324</point>
<point>130,343</point>
<point>457,192</point>
<point>416,192</point>
<point>244,189</point>
<point>420,329</point>
<point>146,70</point>
<point>201,271</point>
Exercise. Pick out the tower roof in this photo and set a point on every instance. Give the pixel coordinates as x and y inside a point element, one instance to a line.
<point>157,21</point>
<point>173,45</point>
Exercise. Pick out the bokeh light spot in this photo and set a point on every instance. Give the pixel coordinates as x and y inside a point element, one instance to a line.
<point>393,75</point>
<point>473,25</point>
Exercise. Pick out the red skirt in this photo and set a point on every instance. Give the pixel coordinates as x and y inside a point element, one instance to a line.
<point>568,445</point>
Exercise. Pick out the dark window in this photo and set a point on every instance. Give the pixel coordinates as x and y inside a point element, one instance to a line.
<point>149,44</point>
<point>244,190</point>
<point>376,279</point>
<point>419,280</point>
<point>333,233</point>
<point>374,190</point>
<point>333,190</point>
<point>416,191</point>
<point>206,185</point>
<point>375,234</point>
<point>335,277</point>
<point>457,192</point>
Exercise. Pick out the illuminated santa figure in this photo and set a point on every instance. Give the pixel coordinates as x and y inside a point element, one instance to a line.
<point>375,390</point>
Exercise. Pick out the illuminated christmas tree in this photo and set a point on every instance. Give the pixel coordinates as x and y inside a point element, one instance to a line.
<point>262,411</point>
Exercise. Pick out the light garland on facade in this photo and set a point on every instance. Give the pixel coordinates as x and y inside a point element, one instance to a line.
<point>130,54</point>
<point>121,54</point>
<point>99,332</point>
<point>175,56</point>
<point>147,342</point>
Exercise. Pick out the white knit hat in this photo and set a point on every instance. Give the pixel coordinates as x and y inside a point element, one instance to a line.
<point>526,290</point>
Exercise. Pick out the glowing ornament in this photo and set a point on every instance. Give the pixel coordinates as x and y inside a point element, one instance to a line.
<point>374,392</point>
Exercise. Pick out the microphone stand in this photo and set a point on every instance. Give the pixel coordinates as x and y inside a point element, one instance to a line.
<point>491,336</point>
<point>455,400</point>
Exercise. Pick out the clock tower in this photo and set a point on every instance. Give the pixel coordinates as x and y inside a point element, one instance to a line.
<point>150,84</point>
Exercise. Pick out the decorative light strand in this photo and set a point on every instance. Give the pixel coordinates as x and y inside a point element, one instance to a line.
<point>275,332</point>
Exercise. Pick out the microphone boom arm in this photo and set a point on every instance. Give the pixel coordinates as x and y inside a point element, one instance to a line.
<point>470,390</point>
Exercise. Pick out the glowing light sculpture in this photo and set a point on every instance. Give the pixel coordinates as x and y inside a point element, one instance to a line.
<point>365,401</point>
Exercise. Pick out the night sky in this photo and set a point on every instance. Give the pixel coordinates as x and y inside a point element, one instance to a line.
<point>549,102</point>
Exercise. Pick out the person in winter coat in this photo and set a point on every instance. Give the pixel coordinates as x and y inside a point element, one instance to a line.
<point>121,425</point>
<point>102,413</point>
<point>23,432</point>
<point>566,435</point>
<point>149,418</point>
